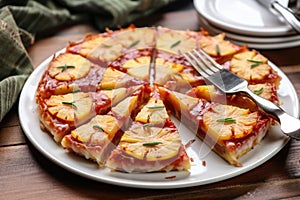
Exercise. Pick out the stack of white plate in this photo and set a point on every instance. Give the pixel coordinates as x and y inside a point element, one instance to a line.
<point>246,22</point>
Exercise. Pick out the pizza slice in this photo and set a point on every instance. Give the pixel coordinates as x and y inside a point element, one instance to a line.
<point>106,47</point>
<point>97,138</point>
<point>229,130</point>
<point>60,114</point>
<point>212,94</point>
<point>151,144</point>
<point>68,73</point>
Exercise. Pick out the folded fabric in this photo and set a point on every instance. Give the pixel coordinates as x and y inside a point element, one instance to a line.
<point>22,21</point>
<point>15,64</point>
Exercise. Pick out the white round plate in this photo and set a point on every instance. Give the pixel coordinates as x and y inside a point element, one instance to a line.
<point>215,169</point>
<point>243,17</point>
<point>275,42</point>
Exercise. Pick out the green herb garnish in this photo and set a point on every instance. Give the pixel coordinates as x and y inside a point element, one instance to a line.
<point>134,43</point>
<point>257,92</point>
<point>72,103</point>
<point>147,125</point>
<point>155,107</point>
<point>175,44</point>
<point>75,91</point>
<point>147,144</point>
<point>228,120</point>
<point>106,45</point>
<point>255,62</point>
<point>98,127</point>
<point>218,49</point>
<point>64,67</point>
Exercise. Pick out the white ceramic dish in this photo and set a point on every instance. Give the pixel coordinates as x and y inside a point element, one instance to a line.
<point>246,17</point>
<point>275,42</point>
<point>216,169</point>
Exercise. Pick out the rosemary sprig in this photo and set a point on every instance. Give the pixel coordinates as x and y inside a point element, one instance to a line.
<point>105,45</point>
<point>98,127</point>
<point>134,43</point>
<point>64,67</point>
<point>72,103</point>
<point>218,49</point>
<point>147,144</point>
<point>175,44</point>
<point>76,90</point>
<point>147,125</point>
<point>257,92</point>
<point>255,62</point>
<point>228,120</point>
<point>155,107</point>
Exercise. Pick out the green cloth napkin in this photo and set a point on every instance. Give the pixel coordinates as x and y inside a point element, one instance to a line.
<point>22,21</point>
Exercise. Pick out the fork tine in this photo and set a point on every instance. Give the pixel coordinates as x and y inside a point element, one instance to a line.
<point>206,60</point>
<point>214,63</point>
<point>191,59</point>
<point>200,64</point>
<point>206,63</point>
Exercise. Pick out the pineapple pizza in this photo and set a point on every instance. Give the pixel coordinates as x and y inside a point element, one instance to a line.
<point>111,97</point>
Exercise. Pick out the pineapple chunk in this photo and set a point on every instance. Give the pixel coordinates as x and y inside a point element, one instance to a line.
<point>141,72</point>
<point>153,112</point>
<point>87,46</point>
<point>113,78</point>
<point>263,90</point>
<point>100,128</point>
<point>164,70</point>
<point>125,107</point>
<point>207,92</point>
<point>182,101</point>
<point>136,38</point>
<point>107,50</point>
<point>250,65</point>
<point>176,42</point>
<point>216,45</point>
<point>225,122</point>
<point>175,66</point>
<point>71,107</point>
<point>138,67</point>
<point>133,63</point>
<point>186,78</point>
<point>115,95</point>
<point>68,67</point>
<point>110,77</point>
<point>163,74</point>
<point>151,143</point>
<point>64,89</point>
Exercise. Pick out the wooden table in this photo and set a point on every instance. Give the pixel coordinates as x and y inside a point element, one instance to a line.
<point>26,174</point>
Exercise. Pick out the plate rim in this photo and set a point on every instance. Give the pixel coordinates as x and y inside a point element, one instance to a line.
<point>180,183</point>
<point>279,42</point>
<point>247,30</point>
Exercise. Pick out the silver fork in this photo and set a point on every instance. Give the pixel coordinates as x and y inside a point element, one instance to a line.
<point>228,82</point>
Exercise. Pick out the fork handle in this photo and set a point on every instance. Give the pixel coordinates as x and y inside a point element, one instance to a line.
<point>288,124</point>
<point>288,15</point>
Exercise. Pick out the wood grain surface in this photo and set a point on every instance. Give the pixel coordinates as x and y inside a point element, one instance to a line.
<point>26,174</point>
